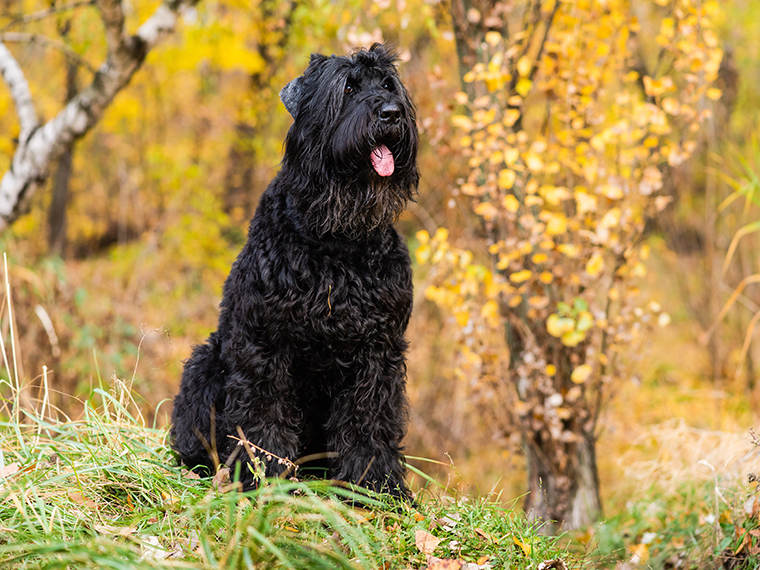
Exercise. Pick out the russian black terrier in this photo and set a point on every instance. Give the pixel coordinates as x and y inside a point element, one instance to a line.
<point>309,355</point>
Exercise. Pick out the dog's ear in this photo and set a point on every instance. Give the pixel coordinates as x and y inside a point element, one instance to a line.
<point>290,95</point>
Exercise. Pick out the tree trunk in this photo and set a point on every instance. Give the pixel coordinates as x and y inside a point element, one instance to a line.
<point>39,146</point>
<point>57,212</point>
<point>563,494</point>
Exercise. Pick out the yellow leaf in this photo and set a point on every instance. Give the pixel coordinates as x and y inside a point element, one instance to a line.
<point>671,106</point>
<point>585,202</point>
<point>595,264</point>
<point>422,254</point>
<point>422,236</point>
<point>534,200</point>
<point>714,93</point>
<point>611,192</point>
<point>556,225</point>
<point>546,277</point>
<point>510,117</point>
<point>524,66</point>
<point>462,122</point>
<point>551,370</point>
<point>507,180</point>
<point>557,326</point>
<point>520,276</point>
<point>462,317</point>
<point>569,250</point>
<point>640,554</point>
<point>539,258</point>
<point>611,219</point>
<point>490,312</point>
<point>441,235</point>
<point>511,155</point>
<point>539,302</point>
<point>511,203</point>
<point>581,373</point>
<point>493,38</point>
<point>534,162</point>
<point>514,301</point>
<point>487,210</point>
<point>523,86</point>
<point>526,548</point>
<point>573,338</point>
<point>585,321</point>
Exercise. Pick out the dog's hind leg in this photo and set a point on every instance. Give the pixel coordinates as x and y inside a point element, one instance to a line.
<point>195,430</point>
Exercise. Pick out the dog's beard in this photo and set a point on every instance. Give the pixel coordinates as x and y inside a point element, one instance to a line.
<point>356,210</point>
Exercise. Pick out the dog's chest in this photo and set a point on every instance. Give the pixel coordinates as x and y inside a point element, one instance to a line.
<point>355,298</point>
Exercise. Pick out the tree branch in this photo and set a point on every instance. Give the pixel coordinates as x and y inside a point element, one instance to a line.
<point>20,93</point>
<point>64,48</point>
<point>42,14</point>
<point>40,147</point>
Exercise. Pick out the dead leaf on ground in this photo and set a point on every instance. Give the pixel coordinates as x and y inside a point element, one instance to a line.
<point>426,542</point>
<point>483,534</point>
<point>222,477</point>
<point>80,499</point>
<point>443,564</point>
<point>112,530</point>
<point>555,564</point>
<point>9,469</point>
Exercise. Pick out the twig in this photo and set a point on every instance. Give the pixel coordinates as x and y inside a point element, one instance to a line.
<point>64,48</point>
<point>42,14</point>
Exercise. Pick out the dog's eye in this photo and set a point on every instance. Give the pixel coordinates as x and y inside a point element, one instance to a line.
<point>348,89</point>
<point>388,85</point>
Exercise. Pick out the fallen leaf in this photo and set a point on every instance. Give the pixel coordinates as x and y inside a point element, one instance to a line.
<point>152,549</point>
<point>113,530</point>
<point>9,469</point>
<point>526,548</point>
<point>222,477</point>
<point>444,564</point>
<point>555,564</point>
<point>483,534</point>
<point>426,542</point>
<point>448,522</point>
<point>80,499</point>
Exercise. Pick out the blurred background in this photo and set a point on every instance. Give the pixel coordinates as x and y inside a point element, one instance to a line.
<point>116,270</point>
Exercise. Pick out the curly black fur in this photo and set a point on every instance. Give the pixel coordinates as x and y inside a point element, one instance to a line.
<point>309,355</point>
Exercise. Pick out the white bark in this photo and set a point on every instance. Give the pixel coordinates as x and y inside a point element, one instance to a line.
<point>40,147</point>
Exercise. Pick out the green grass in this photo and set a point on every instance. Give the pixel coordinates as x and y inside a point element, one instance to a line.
<point>103,492</point>
<point>698,525</point>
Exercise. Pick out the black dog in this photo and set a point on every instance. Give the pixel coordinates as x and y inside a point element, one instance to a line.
<point>309,357</point>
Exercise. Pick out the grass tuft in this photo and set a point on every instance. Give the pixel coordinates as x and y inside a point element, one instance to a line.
<point>103,491</point>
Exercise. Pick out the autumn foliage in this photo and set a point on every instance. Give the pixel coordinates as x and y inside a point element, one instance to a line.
<point>571,127</point>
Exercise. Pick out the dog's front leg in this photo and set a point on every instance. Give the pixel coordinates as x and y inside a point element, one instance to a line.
<point>367,422</point>
<point>263,406</point>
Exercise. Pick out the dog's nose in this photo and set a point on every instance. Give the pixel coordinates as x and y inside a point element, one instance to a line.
<point>390,113</point>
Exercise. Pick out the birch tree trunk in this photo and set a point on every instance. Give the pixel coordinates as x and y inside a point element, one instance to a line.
<point>40,146</point>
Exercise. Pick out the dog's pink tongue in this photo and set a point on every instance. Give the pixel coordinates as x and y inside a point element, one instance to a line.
<point>382,160</point>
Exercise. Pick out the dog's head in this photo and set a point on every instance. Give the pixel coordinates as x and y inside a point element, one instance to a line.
<point>354,137</point>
